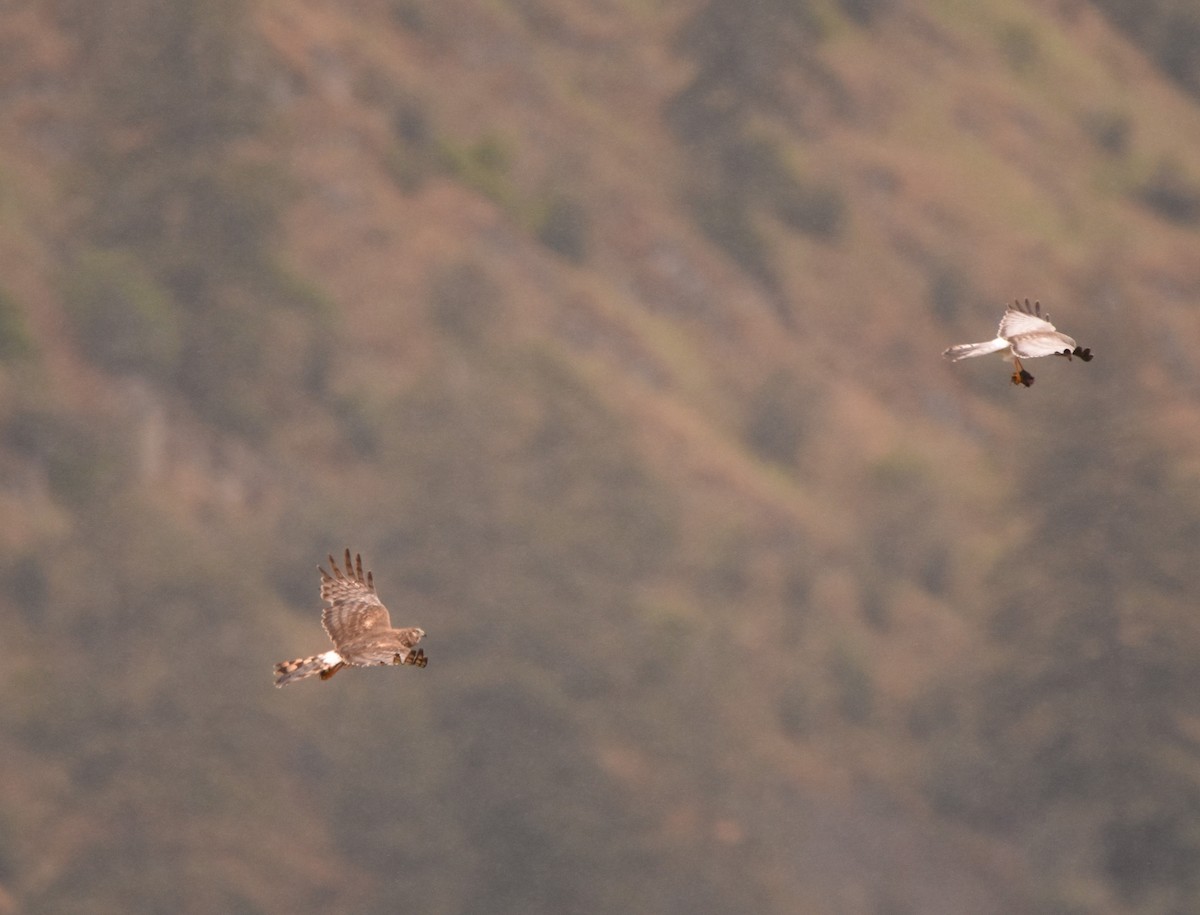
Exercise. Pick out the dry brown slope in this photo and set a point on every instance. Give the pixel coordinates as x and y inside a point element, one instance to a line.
<point>963,147</point>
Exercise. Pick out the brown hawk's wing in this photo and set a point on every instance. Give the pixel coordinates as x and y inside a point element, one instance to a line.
<point>354,608</point>
<point>384,646</point>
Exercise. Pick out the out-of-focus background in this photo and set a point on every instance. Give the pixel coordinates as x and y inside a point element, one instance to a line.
<point>609,332</point>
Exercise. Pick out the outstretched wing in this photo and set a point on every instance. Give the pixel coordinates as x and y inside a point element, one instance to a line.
<point>1029,346</point>
<point>389,646</point>
<point>1022,318</point>
<point>354,608</point>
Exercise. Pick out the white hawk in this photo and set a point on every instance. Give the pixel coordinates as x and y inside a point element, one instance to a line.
<point>1025,333</point>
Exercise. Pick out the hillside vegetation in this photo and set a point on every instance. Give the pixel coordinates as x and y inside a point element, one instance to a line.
<point>609,334</point>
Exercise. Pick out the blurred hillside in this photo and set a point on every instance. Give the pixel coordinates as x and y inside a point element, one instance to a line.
<point>609,333</point>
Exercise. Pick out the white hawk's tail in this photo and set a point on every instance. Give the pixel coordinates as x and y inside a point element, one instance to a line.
<point>967,350</point>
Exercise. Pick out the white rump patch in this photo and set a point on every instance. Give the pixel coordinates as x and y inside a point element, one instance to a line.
<point>331,658</point>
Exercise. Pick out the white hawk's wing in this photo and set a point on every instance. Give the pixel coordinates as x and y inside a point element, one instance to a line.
<point>1024,319</point>
<point>1044,343</point>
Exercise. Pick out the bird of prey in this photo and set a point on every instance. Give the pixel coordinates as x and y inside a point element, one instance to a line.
<point>1024,333</point>
<point>358,624</point>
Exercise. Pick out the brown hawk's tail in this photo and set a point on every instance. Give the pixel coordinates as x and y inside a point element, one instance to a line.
<point>325,665</point>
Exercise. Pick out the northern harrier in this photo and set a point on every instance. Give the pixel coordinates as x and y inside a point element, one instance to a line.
<point>1024,334</point>
<point>359,626</point>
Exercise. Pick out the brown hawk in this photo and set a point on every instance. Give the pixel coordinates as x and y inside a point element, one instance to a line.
<point>1024,333</point>
<point>358,624</point>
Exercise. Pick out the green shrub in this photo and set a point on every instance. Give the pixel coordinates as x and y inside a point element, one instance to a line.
<point>1018,44</point>
<point>794,712</point>
<point>813,209</point>
<point>415,153</point>
<point>409,14</point>
<point>232,215</point>
<point>563,228</point>
<point>949,287</point>
<point>864,12</point>
<point>464,301</point>
<point>78,459</point>
<point>123,319</point>
<point>1168,30</point>
<point>26,580</point>
<point>14,335</point>
<point>1110,131</point>
<point>855,687</point>
<point>483,166</point>
<point>778,419</point>
<point>729,225</point>
<point>757,171</point>
<point>229,366</point>
<point>1172,195</point>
